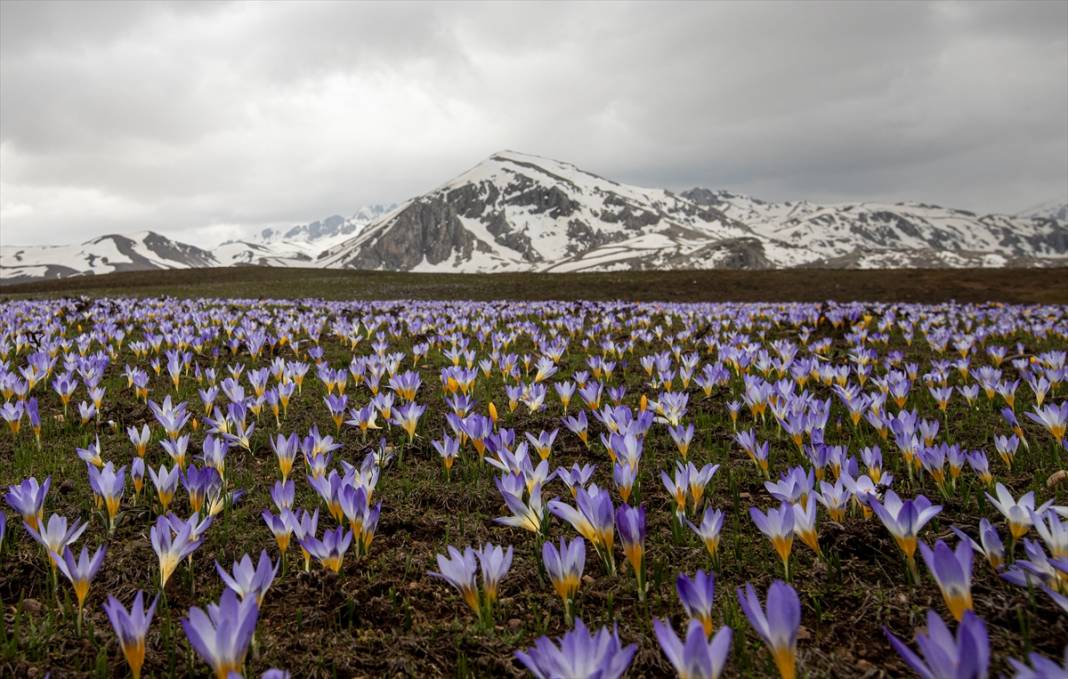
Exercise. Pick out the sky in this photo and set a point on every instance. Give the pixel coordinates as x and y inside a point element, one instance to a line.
<point>206,121</point>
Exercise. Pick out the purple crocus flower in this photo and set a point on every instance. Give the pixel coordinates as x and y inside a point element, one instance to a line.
<point>778,526</point>
<point>1040,667</point>
<point>709,530</point>
<point>989,545</point>
<point>303,525</point>
<point>458,569</point>
<point>905,519</point>
<point>696,595</point>
<point>330,551</point>
<point>80,572</point>
<point>131,627</point>
<point>630,523</point>
<point>166,483</point>
<point>172,545</point>
<point>221,635</point>
<point>952,570</point>
<point>1018,513</point>
<point>495,563</point>
<point>592,519</point>
<point>778,625</point>
<point>28,498</point>
<point>1053,417</point>
<point>966,656</point>
<point>565,566</point>
<point>108,484</point>
<point>697,658</point>
<point>56,535</point>
<point>579,655</point>
<point>248,579</point>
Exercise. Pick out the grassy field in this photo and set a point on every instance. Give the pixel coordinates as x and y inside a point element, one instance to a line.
<point>800,285</point>
<point>382,616</point>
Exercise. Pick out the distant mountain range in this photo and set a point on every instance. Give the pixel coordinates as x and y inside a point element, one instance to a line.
<point>518,212</point>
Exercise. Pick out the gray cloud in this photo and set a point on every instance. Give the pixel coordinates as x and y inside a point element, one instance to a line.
<point>207,120</point>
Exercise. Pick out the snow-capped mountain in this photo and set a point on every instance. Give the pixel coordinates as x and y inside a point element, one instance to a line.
<point>1056,210</point>
<point>139,251</point>
<point>321,234</point>
<point>519,212</point>
<point>295,245</point>
<point>879,235</point>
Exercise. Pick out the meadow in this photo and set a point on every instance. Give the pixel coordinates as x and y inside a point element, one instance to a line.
<point>870,471</point>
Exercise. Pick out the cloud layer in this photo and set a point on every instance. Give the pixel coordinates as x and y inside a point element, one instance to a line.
<point>208,120</point>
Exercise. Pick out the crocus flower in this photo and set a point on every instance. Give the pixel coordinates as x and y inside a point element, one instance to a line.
<point>778,625</point>
<point>696,595</point>
<point>221,635</point>
<point>56,535</point>
<point>458,569</point>
<point>565,566</point>
<point>630,523</point>
<point>966,656</point>
<point>177,449</point>
<point>304,525</point>
<point>1053,532</point>
<point>989,545</point>
<point>709,530</point>
<point>131,627</point>
<point>449,449</point>
<point>285,450</point>
<point>904,520</point>
<point>778,526</point>
<point>1007,447</point>
<point>624,477</point>
<point>697,657</point>
<point>579,655</point>
<point>28,498</point>
<point>108,484</point>
<point>1053,417</point>
<point>1040,667</point>
<point>281,527</point>
<point>172,546</point>
<point>247,579</point>
<point>593,519</point>
<point>80,572</point>
<point>952,570</point>
<point>137,476</point>
<point>1017,512</point>
<point>495,563</point>
<point>139,439</point>
<point>330,551</point>
<point>529,515</point>
<point>91,454</point>
<point>166,483</point>
<point>407,418</point>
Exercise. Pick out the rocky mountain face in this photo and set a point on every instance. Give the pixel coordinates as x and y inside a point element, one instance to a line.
<point>518,212</point>
<point>515,212</point>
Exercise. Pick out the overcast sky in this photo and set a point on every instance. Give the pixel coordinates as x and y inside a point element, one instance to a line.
<point>205,120</point>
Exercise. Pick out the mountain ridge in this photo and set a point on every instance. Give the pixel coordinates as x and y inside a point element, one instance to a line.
<point>520,212</point>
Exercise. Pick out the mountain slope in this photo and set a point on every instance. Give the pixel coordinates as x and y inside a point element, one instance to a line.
<point>115,252</point>
<point>875,235</point>
<point>517,212</point>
